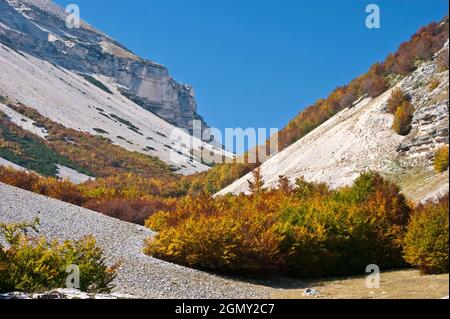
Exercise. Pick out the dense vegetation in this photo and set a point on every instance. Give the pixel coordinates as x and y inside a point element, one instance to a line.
<point>29,263</point>
<point>426,241</point>
<point>305,231</point>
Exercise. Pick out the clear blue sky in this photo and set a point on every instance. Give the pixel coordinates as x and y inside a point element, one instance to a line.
<point>257,63</point>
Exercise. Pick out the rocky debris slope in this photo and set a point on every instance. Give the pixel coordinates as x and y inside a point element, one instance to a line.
<point>139,275</point>
<point>361,138</point>
<point>38,27</point>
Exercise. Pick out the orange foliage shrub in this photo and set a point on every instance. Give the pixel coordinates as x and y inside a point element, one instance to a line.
<point>131,210</point>
<point>51,187</point>
<point>20,179</point>
<point>441,159</point>
<point>396,99</point>
<point>308,231</point>
<point>403,118</point>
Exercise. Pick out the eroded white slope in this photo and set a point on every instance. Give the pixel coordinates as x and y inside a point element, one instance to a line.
<point>336,151</point>
<point>361,138</point>
<point>67,98</point>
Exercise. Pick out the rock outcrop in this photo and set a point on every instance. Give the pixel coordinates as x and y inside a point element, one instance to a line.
<point>38,27</point>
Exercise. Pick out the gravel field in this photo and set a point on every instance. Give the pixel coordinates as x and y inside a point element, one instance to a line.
<point>139,275</point>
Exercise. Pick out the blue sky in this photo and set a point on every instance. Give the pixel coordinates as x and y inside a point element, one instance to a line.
<point>257,63</point>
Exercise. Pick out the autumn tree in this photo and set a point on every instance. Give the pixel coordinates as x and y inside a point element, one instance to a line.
<point>403,118</point>
<point>374,83</point>
<point>347,98</point>
<point>256,186</point>
<point>284,184</point>
<point>396,99</point>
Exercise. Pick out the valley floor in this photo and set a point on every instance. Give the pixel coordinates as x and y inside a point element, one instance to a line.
<point>399,284</point>
<point>146,277</point>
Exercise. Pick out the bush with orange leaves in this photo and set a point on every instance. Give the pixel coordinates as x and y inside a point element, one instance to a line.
<point>134,210</point>
<point>47,186</point>
<point>228,234</point>
<point>310,231</point>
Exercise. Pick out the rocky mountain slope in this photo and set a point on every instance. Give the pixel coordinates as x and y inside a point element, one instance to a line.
<point>38,27</point>
<point>86,81</point>
<point>361,138</point>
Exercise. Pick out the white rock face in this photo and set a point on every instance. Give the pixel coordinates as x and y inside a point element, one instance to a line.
<point>72,175</point>
<point>361,138</point>
<point>69,99</point>
<point>38,27</point>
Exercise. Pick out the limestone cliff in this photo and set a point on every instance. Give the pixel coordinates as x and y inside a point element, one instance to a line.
<point>38,27</point>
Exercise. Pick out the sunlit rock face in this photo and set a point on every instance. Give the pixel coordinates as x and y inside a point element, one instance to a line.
<point>38,27</point>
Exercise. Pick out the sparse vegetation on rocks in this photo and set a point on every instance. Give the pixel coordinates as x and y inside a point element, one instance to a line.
<point>95,154</point>
<point>440,162</point>
<point>433,85</point>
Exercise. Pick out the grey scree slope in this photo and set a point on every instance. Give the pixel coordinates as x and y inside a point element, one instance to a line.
<point>140,275</point>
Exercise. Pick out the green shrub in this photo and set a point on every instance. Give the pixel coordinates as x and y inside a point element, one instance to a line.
<point>440,162</point>
<point>426,241</point>
<point>33,264</point>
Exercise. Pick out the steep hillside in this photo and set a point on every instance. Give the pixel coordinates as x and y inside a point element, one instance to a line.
<point>85,81</point>
<point>38,27</point>
<point>361,138</point>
